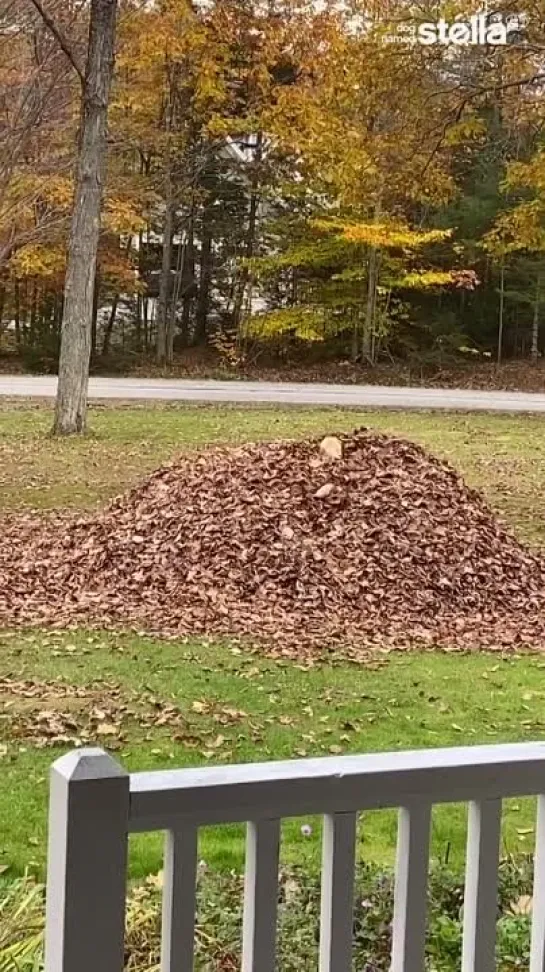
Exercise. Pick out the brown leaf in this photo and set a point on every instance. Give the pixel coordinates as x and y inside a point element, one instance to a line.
<point>324,491</point>
<point>107,729</point>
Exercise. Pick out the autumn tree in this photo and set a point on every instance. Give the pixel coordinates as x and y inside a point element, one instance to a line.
<point>35,130</point>
<point>361,158</point>
<point>517,241</point>
<point>247,142</point>
<point>95,77</point>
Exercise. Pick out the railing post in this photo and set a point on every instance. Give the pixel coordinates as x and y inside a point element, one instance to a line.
<point>87,863</point>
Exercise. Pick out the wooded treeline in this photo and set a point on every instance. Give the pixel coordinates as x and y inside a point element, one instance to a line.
<point>281,174</point>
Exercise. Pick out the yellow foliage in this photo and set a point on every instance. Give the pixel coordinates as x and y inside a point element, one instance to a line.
<point>521,228</point>
<point>383,235</point>
<point>120,216</point>
<point>393,237</point>
<point>37,260</point>
<point>305,322</point>
<point>469,129</point>
<point>422,279</point>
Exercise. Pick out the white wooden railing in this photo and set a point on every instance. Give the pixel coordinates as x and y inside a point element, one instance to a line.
<point>95,804</point>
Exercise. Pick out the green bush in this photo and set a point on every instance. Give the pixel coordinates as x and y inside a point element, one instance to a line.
<point>219,900</point>
<point>21,926</point>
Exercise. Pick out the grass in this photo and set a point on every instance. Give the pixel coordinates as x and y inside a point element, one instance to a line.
<point>404,701</point>
<point>501,454</point>
<point>281,711</point>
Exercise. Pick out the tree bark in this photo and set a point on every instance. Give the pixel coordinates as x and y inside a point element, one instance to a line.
<point>17,315</point>
<point>371,301</point>
<point>164,284</point>
<point>369,321</point>
<point>205,277</point>
<point>34,312</point>
<point>146,323</point>
<point>138,328</point>
<point>108,330</point>
<point>168,227</point>
<point>141,335</point>
<point>355,350</point>
<point>71,405</point>
<point>251,236</point>
<point>109,327</point>
<point>501,311</point>
<point>187,290</point>
<point>534,352</point>
<point>175,296</point>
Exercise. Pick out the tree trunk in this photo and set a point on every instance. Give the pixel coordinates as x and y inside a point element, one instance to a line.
<point>355,350</point>
<point>34,312</point>
<point>164,285</point>
<point>369,321</point>
<point>141,337</point>
<point>146,323</point>
<point>17,315</point>
<point>534,352</point>
<point>175,297</point>
<point>109,327</point>
<point>138,327</point>
<point>205,276</point>
<point>71,405</point>
<point>371,300</point>
<point>501,311</point>
<point>168,226</point>
<point>189,274</point>
<point>251,234</point>
<point>108,331</point>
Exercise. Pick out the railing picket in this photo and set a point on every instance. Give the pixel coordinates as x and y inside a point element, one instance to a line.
<point>481,888</point>
<point>411,883</point>
<point>337,916</point>
<point>180,873</point>
<point>260,896</point>
<point>537,951</point>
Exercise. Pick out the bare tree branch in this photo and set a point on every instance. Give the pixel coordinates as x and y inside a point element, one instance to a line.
<point>59,36</point>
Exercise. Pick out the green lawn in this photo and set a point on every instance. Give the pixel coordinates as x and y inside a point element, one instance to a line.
<point>234,707</point>
<point>229,706</point>
<point>503,455</point>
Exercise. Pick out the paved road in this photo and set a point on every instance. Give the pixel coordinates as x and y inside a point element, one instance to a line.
<point>281,393</point>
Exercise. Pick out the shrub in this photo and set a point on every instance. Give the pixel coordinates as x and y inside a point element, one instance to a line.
<point>218,934</point>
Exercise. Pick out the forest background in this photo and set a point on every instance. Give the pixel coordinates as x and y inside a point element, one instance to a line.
<point>287,182</point>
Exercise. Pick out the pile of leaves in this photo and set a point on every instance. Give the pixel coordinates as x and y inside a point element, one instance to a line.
<point>219,919</point>
<point>290,546</point>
